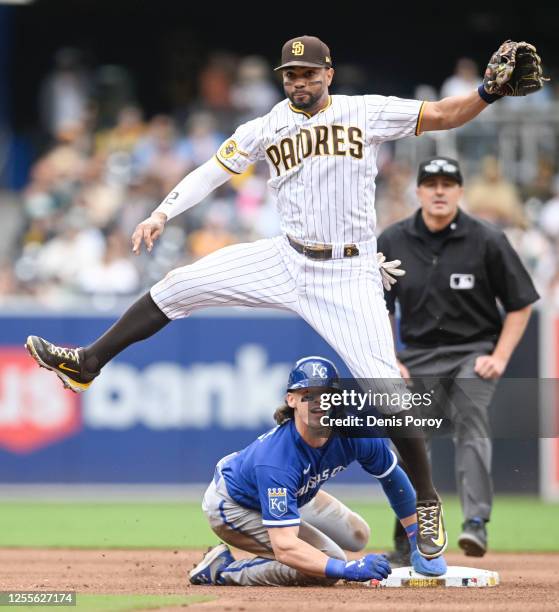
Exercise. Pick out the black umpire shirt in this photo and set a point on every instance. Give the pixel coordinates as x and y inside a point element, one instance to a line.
<point>453,279</point>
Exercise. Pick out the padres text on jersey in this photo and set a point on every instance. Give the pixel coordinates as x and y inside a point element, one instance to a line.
<point>323,167</point>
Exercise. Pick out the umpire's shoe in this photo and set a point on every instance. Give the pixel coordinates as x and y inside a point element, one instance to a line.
<point>401,555</point>
<point>66,363</point>
<point>431,534</point>
<point>473,539</point>
<point>208,571</point>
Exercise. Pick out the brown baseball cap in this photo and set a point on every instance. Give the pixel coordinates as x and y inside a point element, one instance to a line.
<point>305,51</point>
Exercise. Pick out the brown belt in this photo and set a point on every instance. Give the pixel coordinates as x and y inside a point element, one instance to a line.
<point>321,251</point>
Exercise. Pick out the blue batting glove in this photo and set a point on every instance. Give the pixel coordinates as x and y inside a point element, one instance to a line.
<point>428,567</point>
<point>369,567</point>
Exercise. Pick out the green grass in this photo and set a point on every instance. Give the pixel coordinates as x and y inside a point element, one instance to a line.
<point>518,524</point>
<point>104,525</point>
<point>120,603</point>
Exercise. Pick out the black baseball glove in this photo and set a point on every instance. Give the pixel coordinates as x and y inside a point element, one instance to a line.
<point>515,69</point>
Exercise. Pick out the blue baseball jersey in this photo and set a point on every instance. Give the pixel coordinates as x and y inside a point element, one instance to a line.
<point>279,472</point>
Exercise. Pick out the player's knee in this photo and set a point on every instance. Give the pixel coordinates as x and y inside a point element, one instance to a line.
<point>359,533</point>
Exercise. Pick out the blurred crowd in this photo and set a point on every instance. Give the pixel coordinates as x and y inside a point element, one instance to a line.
<point>104,166</point>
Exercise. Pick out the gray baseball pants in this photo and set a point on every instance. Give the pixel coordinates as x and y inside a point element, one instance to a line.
<point>326,524</point>
<point>464,398</point>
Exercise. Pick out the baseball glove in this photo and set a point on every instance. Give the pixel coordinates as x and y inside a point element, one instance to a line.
<point>515,69</point>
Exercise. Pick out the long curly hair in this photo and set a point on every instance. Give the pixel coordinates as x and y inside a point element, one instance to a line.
<point>283,414</point>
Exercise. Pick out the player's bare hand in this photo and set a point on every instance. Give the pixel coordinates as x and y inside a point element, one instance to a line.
<point>489,366</point>
<point>148,231</point>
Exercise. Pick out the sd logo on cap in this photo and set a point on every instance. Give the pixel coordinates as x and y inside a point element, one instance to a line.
<point>305,51</point>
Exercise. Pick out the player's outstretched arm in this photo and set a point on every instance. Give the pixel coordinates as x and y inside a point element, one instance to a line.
<point>193,188</point>
<point>513,70</point>
<point>290,550</point>
<point>451,112</point>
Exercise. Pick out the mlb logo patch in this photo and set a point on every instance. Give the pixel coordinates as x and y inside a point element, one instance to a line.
<point>277,501</point>
<point>462,281</point>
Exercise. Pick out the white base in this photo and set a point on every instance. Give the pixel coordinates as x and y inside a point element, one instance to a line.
<point>455,576</point>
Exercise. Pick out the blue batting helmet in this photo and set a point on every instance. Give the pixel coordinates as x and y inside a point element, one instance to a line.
<point>313,371</point>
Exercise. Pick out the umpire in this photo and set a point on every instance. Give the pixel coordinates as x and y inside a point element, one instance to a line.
<point>457,268</point>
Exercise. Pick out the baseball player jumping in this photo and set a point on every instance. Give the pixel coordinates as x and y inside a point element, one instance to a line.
<point>266,499</point>
<point>321,151</point>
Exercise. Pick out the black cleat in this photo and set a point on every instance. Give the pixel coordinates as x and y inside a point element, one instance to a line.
<point>400,556</point>
<point>66,363</point>
<point>431,534</point>
<point>473,539</point>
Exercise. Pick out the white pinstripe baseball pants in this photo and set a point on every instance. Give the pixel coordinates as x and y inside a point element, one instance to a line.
<point>342,299</point>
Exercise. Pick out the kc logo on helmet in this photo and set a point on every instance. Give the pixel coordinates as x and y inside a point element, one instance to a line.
<point>319,370</point>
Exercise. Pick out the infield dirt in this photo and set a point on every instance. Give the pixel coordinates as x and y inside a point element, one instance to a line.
<point>528,582</point>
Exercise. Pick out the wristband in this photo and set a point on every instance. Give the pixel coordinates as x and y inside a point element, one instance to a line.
<point>411,532</point>
<point>487,97</point>
<point>335,568</point>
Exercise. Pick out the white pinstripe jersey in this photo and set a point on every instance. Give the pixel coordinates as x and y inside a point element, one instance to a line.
<point>323,167</point>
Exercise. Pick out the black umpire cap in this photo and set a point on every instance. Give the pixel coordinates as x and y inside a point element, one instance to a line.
<point>439,166</point>
<point>305,51</point>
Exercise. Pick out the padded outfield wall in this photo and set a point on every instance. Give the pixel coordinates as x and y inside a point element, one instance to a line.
<point>166,409</point>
